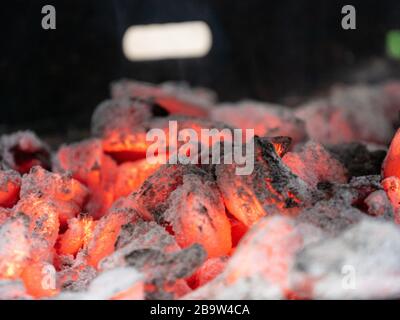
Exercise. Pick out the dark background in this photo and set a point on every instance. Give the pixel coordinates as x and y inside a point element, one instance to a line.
<point>283,51</point>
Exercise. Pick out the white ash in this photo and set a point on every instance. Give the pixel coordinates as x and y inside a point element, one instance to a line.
<point>370,249</point>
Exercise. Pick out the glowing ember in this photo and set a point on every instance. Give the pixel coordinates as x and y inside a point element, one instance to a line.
<point>391,165</point>
<point>270,188</point>
<point>10,183</point>
<point>110,223</point>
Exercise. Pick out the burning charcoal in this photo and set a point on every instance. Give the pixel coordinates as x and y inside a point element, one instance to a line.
<point>314,164</point>
<point>139,236</point>
<point>23,254</point>
<point>44,222</point>
<point>120,124</point>
<point>174,98</point>
<point>15,248</point>
<point>116,284</point>
<point>379,205</point>
<point>125,139</point>
<point>89,165</point>
<point>392,188</point>
<point>208,271</point>
<point>37,279</point>
<point>150,249</point>
<point>66,193</point>
<point>391,164</point>
<point>197,215</point>
<point>281,144</point>
<point>185,197</point>
<point>23,150</point>
<point>260,266</point>
<point>361,263</point>
<point>108,228</point>
<point>13,290</point>
<point>10,183</point>
<point>357,159</point>
<point>346,116</point>
<point>79,233</point>
<point>163,272</point>
<point>238,230</point>
<point>131,175</point>
<point>265,119</point>
<point>270,187</point>
<point>152,197</point>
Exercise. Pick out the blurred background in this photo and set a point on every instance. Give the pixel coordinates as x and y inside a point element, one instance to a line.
<point>279,51</point>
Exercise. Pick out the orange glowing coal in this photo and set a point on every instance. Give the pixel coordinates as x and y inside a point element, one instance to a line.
<point>69,217</point>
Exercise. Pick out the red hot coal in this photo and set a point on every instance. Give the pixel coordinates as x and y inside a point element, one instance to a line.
<point>317,218</point>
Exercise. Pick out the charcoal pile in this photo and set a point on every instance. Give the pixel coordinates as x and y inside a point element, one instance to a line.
<point>317,217</point>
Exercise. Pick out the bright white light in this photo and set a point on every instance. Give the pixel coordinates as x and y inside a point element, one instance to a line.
<point>167,41</point>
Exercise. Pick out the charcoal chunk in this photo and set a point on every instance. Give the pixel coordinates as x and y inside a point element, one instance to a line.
<point>269,188</point>
<point>22,150</point>
<point>357,159</point>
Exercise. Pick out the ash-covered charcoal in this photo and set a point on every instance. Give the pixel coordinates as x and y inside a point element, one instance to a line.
<point>75,278</point>
<point>120,124</point>
<point>175,98</point>
<point>381,100</point>
<point>314,164</point>
<point>197,215</point>
<point>354,192</point>
<point>345,117</point>
<point>88,164</point>
<point>379,205</point>
<point>361,263</point>
<point>116,284</point>
<point>24,256</point>
<point>358,159</point>
<point>152,197</point>
<point>15,248</point>
<point>22,150</point>
<point>390,166</point>
<point>137,236</point>
<point>155,254</point>
<point>331,216</point>
<point>10,184</point>
<point>260,266</point>
<point>269,188</point>
<point>66,193</point>
<point>266,119</point>
<point>44,222</point>
<point>105,234</point>
<point>143,234</point>
<point>13,290</point>
<point>208,271</point>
